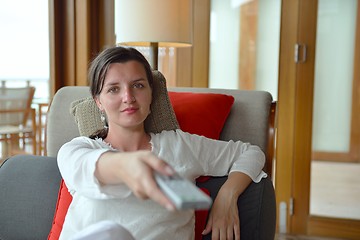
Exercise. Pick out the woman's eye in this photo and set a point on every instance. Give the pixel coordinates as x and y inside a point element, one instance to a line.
<point>138,85</point>
<point>113,90</point>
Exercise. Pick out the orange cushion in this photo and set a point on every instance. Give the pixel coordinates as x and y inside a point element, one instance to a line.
<point>199,113</point>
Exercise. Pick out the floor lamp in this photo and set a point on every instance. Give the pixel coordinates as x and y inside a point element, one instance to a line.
<point>154,23</point>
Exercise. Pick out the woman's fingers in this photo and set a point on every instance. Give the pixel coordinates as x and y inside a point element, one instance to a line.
<point>158,196</point>
<point>136,170</point>
<point>237,232</point>
<point>208,226</point>
<point>223,222</point>
<point>146,186</point>
<point>227,233</point>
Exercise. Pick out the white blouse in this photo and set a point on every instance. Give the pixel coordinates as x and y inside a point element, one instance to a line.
<point>190,155</point>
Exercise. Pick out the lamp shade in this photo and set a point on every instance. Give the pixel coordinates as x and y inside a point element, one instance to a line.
<point>166,22</point>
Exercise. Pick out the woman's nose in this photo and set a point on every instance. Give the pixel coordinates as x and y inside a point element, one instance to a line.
<point>128,96</point>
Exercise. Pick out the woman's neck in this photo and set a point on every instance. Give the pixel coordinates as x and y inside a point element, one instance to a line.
<point>129,140</point>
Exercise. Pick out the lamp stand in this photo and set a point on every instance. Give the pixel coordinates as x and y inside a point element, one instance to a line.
<point>154,53</point>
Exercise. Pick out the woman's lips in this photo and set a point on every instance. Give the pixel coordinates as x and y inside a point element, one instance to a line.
<point>130,110</point>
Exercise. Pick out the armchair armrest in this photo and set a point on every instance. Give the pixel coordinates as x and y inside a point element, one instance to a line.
<point>29,189</point>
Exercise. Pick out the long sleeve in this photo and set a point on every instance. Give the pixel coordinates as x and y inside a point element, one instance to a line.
<point>196,155</point>
<point>77,161</point>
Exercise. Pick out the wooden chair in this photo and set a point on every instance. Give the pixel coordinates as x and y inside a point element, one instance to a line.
<point>15,111</point>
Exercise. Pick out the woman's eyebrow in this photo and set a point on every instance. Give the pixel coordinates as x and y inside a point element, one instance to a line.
<point>139,80</point>
<point>113,83</point>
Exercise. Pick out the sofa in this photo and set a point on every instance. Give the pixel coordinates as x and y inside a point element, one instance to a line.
<point>29,184</point>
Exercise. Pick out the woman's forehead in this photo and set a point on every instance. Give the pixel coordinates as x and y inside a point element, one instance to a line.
<point>128,71</point>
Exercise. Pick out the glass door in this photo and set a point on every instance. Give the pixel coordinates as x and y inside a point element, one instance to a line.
<point>335,180</point>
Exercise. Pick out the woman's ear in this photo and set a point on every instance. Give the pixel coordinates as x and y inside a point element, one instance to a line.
<point>98,103</point>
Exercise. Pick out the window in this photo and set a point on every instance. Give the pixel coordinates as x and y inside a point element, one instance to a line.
<point>24,45</point>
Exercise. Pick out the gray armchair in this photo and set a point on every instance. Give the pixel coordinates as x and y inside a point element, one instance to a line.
<point>29,184</point>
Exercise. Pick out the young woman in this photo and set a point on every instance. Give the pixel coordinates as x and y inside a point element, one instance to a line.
<point>111,174</point>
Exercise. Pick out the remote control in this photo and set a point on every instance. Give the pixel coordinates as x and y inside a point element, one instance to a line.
<point>182,192</point>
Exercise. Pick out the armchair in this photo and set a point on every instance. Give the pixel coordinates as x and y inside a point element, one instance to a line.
<point>31,183</point>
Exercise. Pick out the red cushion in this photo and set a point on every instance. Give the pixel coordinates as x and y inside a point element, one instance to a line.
<point>62,205</point>
<point>199,113</point>
<point>200,219</point>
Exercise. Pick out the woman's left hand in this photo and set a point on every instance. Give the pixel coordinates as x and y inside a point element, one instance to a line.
<point>224,222</point>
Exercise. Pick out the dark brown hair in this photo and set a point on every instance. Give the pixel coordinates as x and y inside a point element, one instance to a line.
<point>100,65</point>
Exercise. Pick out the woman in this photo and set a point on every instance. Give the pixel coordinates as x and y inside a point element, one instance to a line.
<point>111,174</point>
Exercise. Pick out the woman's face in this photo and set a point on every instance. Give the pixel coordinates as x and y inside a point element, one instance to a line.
<point>126,95</point>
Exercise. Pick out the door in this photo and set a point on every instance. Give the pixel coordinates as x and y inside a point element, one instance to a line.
<point>335,161</point>
<point>304,83</point>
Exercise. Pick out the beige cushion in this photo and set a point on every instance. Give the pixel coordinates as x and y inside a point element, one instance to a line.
<point>162,116</point>
<point>87,116</point>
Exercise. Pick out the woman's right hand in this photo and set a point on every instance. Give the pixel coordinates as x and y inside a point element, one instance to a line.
<point>136,170</point>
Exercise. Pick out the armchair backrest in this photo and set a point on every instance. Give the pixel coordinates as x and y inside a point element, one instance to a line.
<point>248,120</point>
<point>252,119</point>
